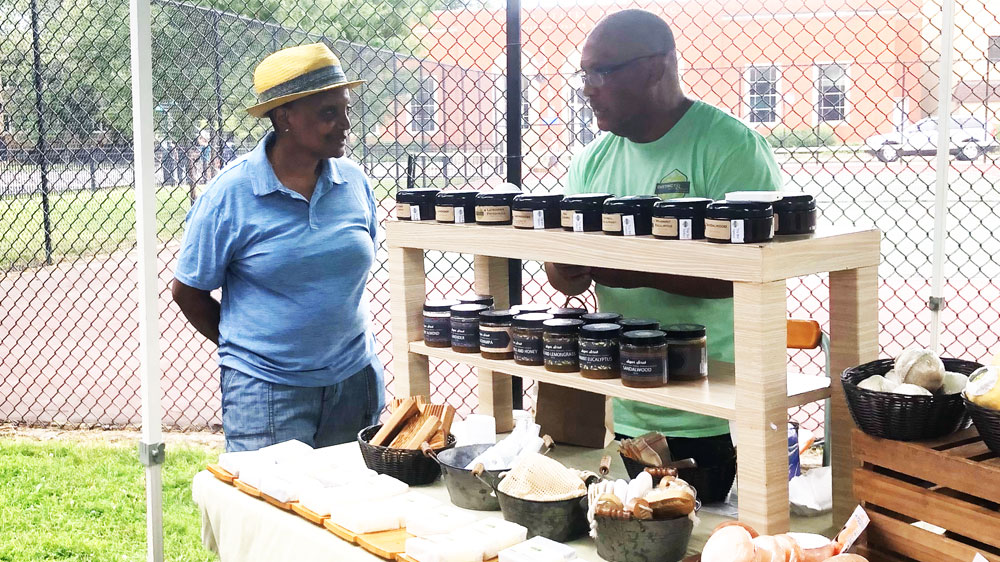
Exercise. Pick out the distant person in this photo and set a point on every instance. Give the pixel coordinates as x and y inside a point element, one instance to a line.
<point>288,233</point>
<point>168,160</point>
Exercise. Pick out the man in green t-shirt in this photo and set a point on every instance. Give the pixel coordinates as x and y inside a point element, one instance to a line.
<point>658,141</point>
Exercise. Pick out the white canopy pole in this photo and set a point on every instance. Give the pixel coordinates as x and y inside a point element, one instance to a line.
<point>943,166</point>
<point>151,451</point>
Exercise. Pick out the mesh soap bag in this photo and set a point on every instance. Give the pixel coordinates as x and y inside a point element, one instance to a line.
<point>538,478</point>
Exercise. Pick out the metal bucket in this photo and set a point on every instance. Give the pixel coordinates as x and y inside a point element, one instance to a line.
<point>561,521</point>
<point>643,541</point>
<point>464,488</point>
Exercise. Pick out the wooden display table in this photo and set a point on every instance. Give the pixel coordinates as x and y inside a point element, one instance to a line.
<point>758,272</point>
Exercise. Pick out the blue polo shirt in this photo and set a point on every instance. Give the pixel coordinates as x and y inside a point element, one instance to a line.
<point>292,271</point>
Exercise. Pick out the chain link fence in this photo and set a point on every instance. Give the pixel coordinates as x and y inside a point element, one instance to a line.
<point>843,89</point>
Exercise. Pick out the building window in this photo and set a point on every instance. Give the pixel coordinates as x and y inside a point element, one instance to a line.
<point>762,100</point>
<point>831,92</point>
<point>423,106</point>
<point>993,49</point>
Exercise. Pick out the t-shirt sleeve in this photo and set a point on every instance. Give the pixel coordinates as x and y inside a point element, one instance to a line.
<point>208,246</point>
<point>750,166</point>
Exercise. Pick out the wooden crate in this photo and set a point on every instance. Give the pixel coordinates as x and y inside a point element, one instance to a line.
<point>952,483</point>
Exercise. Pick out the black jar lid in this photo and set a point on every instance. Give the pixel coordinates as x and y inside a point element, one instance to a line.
<point>440,305</point>
<point>795,202</point>
<point>531,307</point>
<point>630,203</point>
<point>644,337</point>
<point>452,198</point>
<point>533,202</point>
<point>584,202</point>
<point>563,325</point>
<point>568,312</point>
<point>601,317</point>
<point>601,331</point>
<point>496,316</point>
<point>630,324</point>
<point>682,205</point>
<point>468,310</point>
<point>498,198</point>
<point>684,331</point>
<point>419,196</point>
<point>531,320</point>
<point>739,210</point>
<point>476,299</point>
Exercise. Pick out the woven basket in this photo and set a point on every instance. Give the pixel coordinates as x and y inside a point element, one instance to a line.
<point>987,423</point>
<point>408,465</point>
<point>903,417</point>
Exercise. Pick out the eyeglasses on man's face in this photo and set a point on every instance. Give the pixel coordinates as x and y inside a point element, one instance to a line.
<point>598,76</point>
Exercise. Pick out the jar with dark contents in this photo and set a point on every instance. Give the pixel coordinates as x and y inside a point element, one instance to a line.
<point>571,313</point>
<point>437,322</point>
<point>531,307</point>
<point>687,352</point>
<point>644,359</point>
<point>680,219</point>
<point>415,204</point>
<point>739,222</point>
<point>465,327</point>
<point>458,207</point>
<point>629,216</point>
<point>601,318</point>
<point>633,324</point>
<point>493,207</point>
<point>536,211</point>
<point>583,212</point>
<point>528,333</point>
<point>795,214</point>
<point>496,334</point>
<point>476,299</point>
<point>599,351</point>
<point>560,345</point>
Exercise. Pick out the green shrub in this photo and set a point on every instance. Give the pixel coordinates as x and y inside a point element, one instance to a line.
<point>783,137</point>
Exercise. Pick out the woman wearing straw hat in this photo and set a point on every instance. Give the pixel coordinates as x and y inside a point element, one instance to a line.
<point>288,232</point>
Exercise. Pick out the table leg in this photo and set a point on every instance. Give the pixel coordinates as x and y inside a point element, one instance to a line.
<point>761,416</point>
<point>406,295</point>
<point>853,341</point>
<point>494,388</point>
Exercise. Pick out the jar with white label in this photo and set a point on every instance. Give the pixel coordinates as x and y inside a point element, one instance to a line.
<point>644,359</point>
<point>537,212</point>
<point>415,204</point>
<point>680,219</point>
<point>437,322</point>
<point>493,207</point>
<point>458,207</point>
<point>629,216</point>
<point>795,214</point>
<point>583,212</point>
<point>739,222</point>
<point>687,352</point>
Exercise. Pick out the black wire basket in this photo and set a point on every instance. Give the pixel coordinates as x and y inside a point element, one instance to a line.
<point>987,422</point>
<point>408,465</point>
<point>903,417</point>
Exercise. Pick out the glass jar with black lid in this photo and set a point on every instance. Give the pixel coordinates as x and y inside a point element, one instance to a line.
<point>574,313</point>
<point>599,351</point>
<point>632,324</point>
<point>644,358</point>
<point>536,211</point>
<point>739,222</point>
<point>795,214</point>
<point>528,333</point>
<point>437,322</point>
<point>465,327</point>
<point>601,318</point>
<point>493,207</point>
<point>496,339</point>
<point>476,299</point>
<point>629,216</point>
<point>531,307</point>
<point>457,207</point>
<point>415,204</point>
<point>687,352</point>
<point>583,212</point>
<point>560,345</point>
<point>680,219</point>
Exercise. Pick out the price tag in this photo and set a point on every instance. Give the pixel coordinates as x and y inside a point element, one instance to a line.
<point>684,226</point>
<point>856,524</point>
<point>577,222</point>
<point>459,215</point>
<point>538,219</point>
<point>628,225</point>
<point>980,558</point>
<point>415,213</point>
<point>736,231</point>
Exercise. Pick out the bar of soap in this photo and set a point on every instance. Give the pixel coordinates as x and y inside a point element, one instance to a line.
<point>365,517</point>
<point>413,504</point>
<point>538,549</point>
<point>279,487</point>
<point>443,548</point>
<point>438,521</point>
<point>496,534</point>
<point>287,451</point>
<point>233,463</point>
<point>331,476</point>
<point>255,474</point>
<point>317,500</point>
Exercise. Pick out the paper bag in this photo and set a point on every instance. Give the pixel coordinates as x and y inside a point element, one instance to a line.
<point>574,417</point>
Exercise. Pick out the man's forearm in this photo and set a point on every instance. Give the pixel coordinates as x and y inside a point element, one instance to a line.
<point>570,286</point>
<point>203,312</point>
<point>697,287</point>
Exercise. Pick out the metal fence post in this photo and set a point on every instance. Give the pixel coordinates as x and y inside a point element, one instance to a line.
<point>92,164</point>
<point>41,156</point>
<point>514,154</point>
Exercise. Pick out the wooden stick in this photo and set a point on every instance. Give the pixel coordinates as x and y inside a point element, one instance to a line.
<point>424,433</point>
<point>405,411</point>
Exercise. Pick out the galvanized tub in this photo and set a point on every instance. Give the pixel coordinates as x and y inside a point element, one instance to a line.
<point>561,521</point>
<point>464,488</point>
<point>643,541</point>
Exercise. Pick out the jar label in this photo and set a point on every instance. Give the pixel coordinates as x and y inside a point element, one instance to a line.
<point>492,213</point>
<point>538,217</point>
<point>402,210</point>
<point>523,219</point>
<point>686,229</point>
<point>528,348</point>
<point>465,334</point>
<point>414,212</point>
<point>566,219</point>
<point>611,222</point>
<point>736,231</point>
<point>577,221</point>
<point>437,330</point>
<point>717,229</point>
<point>459,215</point>
<point>495,340</point>
<point>628,225</point>
<point>560,352</point>
<point>444,214</point>
<point>665,226</point>
<point>598,355</point>
<point>645,368</point>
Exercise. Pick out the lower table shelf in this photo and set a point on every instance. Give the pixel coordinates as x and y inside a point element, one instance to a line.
<point>714,396</point>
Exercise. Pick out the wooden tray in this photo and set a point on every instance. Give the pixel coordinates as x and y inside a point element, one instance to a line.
<point>340,531</point>
<point>952,482</point>
<point>220,473</point>
<point>385,544</point>
<point>246,489</point>
<point>405,558</point>
<point>287,506</point>
<point>308,514</point>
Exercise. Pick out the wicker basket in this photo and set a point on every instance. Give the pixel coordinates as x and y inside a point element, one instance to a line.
<point>904,417</point>
<point>987,423</point>
<point>408,465</point>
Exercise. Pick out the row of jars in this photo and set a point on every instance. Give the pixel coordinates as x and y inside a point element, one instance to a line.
<point>744,217</point>
<point>598,345</point>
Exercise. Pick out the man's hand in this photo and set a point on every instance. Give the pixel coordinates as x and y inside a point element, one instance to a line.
<point>570,280</point>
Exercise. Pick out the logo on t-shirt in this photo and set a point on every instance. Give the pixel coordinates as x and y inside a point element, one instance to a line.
<point>673,183</point>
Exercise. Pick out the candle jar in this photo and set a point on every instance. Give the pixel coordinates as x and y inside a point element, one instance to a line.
<point>465,327</point>
<point>629,216</point>
<point>493,207</point>
<point>528,332</point>
<point>536,211</point>
<point>560,345</point>
<point>476,299</point>
<point>531,307</point>
<point>583,212</point>
<point>644,359</point>
<point>456,207</point>
<point>569,313</point>
<point>415,204</point>
<point>437,322</point>
<point>739,222</point>
<point>601,318</point>
<point>795,214</point>
<point>680,219</point>
<point>599,351</point>
<point>687,352</point>
<point>633,324</point>
<point>496,334</point>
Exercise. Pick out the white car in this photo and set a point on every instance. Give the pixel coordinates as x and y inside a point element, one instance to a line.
<point>971,137</point>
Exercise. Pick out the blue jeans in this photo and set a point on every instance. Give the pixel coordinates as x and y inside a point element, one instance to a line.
<point>257,413</point>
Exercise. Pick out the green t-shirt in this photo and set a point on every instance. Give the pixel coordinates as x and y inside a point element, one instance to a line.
<point>708,153</point>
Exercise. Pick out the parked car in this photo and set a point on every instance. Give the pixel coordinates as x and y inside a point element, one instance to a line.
<point>971,137</point>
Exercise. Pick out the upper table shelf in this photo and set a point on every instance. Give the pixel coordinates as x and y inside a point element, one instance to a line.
<point>785,257</point>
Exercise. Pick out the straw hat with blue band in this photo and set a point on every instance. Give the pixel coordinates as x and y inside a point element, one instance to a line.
<point>296,72</point>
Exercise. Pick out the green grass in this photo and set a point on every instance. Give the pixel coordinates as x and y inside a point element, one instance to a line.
<point>86,502</point>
